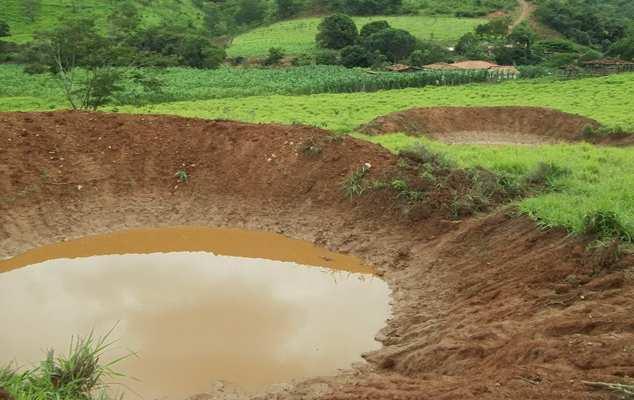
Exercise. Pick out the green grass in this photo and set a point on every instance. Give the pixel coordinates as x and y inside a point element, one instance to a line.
<point>606,99</point>
<point>50,12</point>
<point>298,36</point>
<point>79,375</point>
<point>600,179</point>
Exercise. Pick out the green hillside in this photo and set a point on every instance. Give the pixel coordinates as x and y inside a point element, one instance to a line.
<point>47,13</point>
<point>298,36</point>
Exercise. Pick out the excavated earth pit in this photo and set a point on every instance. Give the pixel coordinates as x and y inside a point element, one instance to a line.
<point>486,306</point>
<point>493,126</point>
<point>192,314</point>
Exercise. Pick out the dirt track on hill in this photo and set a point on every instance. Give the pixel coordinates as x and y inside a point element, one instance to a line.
<point>484,308</point>
<point>492,125</point>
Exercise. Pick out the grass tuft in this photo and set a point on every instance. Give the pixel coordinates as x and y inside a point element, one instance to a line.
<point>605,225</point>
<point>80,375</point>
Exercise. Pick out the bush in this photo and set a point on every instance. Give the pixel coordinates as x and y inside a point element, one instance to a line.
<point>336,32</point>
<point>624,48</point>
<point>428,52</point>
<point>395,44</point>
<point>276,54</point>
<point>356,56</point>
<point>471,46</point>
<point>498,27</point>
<point>373,27</point>
<point>250,12</point>
<point>4,29</point>
<point>285,9</point>
<point>327,57</point>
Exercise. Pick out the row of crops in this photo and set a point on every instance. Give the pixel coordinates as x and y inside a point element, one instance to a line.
<point>177,84</point>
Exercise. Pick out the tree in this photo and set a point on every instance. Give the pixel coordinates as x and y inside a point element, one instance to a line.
<point>471,46</point>
<point>285,9</point>
<point>336,32</point>
<point>125,18</point>
<point>498,27</point>
<point>74,44</point>
<point>356,56</point>
<point>366,7</point>
<point>250,12</point>
<point>373,27</point>
<point>395,44</point>
<point>624,48</point>
<point>522,38</point>
<point>428,52</point>
<point>4,29</point>
<point>31,9</point>
<point>276,55</point>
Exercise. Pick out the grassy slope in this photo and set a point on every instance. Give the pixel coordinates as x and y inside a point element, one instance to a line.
<point>606,99</point>
<point>51,10</point>
<point>298,36</point>
<point>600,178</point>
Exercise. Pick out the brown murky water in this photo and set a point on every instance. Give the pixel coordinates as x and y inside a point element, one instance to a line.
<point>194,318</point>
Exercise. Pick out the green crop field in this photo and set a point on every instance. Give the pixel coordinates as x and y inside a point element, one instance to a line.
<point>50,11</point>
<point>606,99</point>
<point>298,36</point>
<point>197,84</point>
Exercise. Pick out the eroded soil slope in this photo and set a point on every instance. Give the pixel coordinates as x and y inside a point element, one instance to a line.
<point>486,307</point>
<point>487,125</point>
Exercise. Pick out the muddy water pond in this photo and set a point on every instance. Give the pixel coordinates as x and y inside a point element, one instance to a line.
<point>197,307</point>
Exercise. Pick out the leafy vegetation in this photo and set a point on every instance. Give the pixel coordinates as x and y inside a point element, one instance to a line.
<point>151,85</point>
<point>25,17</point>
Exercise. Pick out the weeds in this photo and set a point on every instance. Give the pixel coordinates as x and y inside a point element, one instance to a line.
<point>605,225</point>
<point>353,186</point>
<point>182,176</point>
<point>310,148</point>
<point>78,376</point>
<point>545,175</point>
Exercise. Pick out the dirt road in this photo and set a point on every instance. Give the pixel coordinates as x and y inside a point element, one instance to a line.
<point>526,9</point>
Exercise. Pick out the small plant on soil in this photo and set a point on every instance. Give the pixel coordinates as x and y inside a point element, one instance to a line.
<point>353,186</point>
<point>310,148</point>
<point>80,375</point>
<point>605,225</point>
<point>182,176</point>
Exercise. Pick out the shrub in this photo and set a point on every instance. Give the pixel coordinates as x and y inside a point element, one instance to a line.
<point>373,27</point>
<point>498,27</point>
<point>327,57</point>
<point>285,9</point>
<point>276,54</point>
<point>395,44</point>
<point>624,48</point>
<point>4,29</point>
<point>356,56</point>
<point>250,12</point>
<point>428,53</point>
<point>336,32</point>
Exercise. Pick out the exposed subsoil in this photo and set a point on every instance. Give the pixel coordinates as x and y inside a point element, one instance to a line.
<point>488,307</point>
<point>492,125</point>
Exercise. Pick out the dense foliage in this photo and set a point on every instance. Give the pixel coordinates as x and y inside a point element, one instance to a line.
<point>588,22</point>
<point>336,32</point>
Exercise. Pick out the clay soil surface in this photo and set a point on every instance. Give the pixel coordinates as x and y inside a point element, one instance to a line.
<point>488,307</point>
<point>490,125</point>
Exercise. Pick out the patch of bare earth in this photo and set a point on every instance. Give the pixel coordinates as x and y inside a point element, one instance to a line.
<point>489,307</point>
<point>492,125</point>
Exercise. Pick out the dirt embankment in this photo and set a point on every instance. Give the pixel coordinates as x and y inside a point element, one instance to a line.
<point>491,125</point>
<point>484,308</point>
